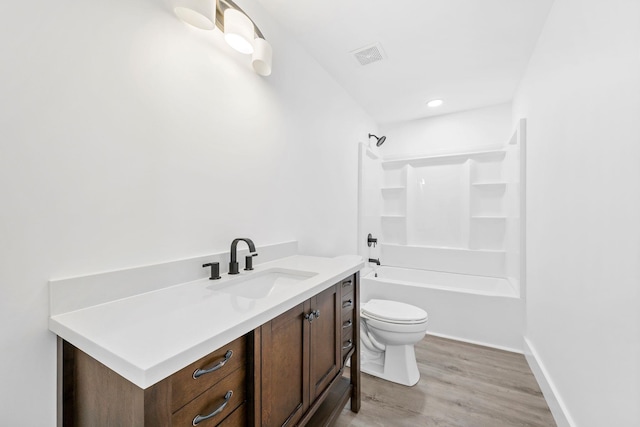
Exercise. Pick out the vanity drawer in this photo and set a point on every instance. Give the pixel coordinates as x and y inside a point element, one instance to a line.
<point>222,399</point>
<point>347,335</point>
<point>347,327</point>
<point>191,381</point>
<point>347,305</point>
<point>347,285</point>
<point>237,419</point>
<point>346,344</point>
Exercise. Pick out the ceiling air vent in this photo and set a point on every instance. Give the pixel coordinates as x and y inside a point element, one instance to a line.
<point>369,54</point>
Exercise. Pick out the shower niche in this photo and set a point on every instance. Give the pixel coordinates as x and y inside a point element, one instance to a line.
<point>456,212</point>
<point>394,207</point>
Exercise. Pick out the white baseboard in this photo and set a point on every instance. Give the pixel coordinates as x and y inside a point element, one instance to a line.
<point>484,344</point>
<point>551,395</point>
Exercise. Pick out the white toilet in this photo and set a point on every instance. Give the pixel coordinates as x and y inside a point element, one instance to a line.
<point>388,332</point>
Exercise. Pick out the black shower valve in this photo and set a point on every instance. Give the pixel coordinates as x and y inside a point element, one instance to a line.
<point>371,240</point>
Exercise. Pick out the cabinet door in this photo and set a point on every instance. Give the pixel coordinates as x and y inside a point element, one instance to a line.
<point>285,368</point>
<point>325,352</point>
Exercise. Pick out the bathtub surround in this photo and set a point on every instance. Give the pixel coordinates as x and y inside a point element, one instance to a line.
<point>455,212</point>
<point>133,139</point>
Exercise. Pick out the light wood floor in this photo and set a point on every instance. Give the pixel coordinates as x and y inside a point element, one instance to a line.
<point>461,385</point>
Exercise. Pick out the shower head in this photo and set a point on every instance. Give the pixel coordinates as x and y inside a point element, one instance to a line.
<point>380,140</point>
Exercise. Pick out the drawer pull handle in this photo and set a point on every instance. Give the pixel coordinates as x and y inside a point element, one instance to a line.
<point>347,303</point>
<point>199,418</point>
<point>346,283</point>
<point>346,324</point>
<point>200,372</point>
<point>348,346</point>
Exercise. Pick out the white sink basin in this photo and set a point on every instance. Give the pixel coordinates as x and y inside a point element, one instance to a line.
<point>264,283</point>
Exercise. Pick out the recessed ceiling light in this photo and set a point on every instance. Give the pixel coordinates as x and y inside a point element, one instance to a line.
<point>435,103</point>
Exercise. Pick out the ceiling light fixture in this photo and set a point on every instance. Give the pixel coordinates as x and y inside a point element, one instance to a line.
<point>435,103</point>
<point>262,54</point>
<point>240,32</point>
<point>199,13</point>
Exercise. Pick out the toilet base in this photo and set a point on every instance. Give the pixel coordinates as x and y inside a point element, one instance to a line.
<point>397,364</point>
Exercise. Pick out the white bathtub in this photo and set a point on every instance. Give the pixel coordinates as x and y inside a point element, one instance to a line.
<point>477,309</point>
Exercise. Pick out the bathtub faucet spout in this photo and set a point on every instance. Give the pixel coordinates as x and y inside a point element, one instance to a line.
<point>375,260</point>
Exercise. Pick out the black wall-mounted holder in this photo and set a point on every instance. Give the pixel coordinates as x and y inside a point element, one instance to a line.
<point>215,270</point>
<point>371,240</point>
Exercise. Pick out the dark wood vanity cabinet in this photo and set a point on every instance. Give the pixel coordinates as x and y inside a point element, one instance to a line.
<point>300,381</point>
<point>300,354</point>
<point>210,392</point>
<point>287,372</point>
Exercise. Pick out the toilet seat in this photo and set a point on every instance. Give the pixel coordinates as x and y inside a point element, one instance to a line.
<point>393,312</point>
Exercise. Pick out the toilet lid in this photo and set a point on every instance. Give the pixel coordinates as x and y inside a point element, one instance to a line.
<point>393,311</point>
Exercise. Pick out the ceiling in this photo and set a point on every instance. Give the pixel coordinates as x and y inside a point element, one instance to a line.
<point>470,53</point>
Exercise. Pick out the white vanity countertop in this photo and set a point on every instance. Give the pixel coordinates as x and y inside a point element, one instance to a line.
<point>147,337</point>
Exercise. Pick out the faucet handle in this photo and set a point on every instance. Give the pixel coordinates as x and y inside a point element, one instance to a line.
<point>248,260</point>
<point>215,270</point>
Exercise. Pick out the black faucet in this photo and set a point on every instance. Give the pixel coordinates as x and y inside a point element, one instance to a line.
<point>375,260</point>
<point>233,264</point>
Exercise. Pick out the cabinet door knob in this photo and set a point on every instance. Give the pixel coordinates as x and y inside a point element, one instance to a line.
<point>200,372</point>
<point>312,316</point>
<point>199,418</point>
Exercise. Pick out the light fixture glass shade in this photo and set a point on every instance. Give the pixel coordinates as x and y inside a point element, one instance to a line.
<point>261,59</point>
<point>238,31</point>
<point>199,13</point>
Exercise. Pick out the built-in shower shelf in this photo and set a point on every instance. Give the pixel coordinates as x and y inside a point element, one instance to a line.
<point>392,189</point>
<point>489,184</point>
<point>489,217</point>
<point>442,158</point>
<point>444,248</point>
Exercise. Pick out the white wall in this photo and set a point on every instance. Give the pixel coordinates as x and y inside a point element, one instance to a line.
<point>128,138</point>
<point>581,98</point>
<point>467,130</point>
